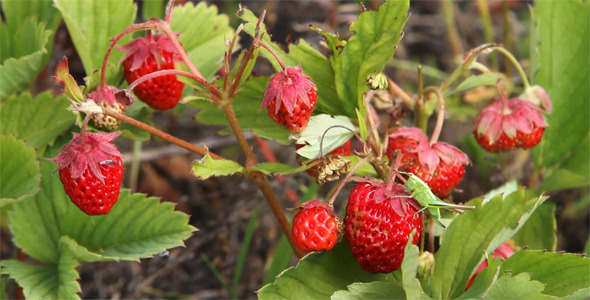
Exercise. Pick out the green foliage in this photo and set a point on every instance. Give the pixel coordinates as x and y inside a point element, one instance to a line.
<point>37,120</point>
<point>516,287</point>
<point>203,34</point>
<point>563,274</point>
<point>207,167</point>
<point>474,233</point>
<point>473,82</point>
<point>247,109</point>
<point>19,170</point>
<point>23,50</point>
<point>319,275</point>
<point>484,280</point>
<point>325,131</point>
<point>539,231</point>
<point>377,33</point>
<point>53,231</point>
<point>372,290</point>
<point>91,24</point>
<point>560,45</point>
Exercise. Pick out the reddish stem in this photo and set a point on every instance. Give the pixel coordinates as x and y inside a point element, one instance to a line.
<point>346,179</point>
<point>132,28</point>
<point>505,107</point>
<point>393,174</point>
<point>267,47</point>
<point>441,113</point>
<point>184,144</point>
<point>149,76</point>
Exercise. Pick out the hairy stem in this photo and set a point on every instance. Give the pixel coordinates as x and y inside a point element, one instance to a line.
<point>441,113</point>
<point>174,140</point>
<point>395,89</point>
<point>149,76</point>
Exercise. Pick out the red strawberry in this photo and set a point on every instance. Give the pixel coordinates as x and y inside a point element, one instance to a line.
<point>508,124</point>
<point>146,55</point>
<point>315,227</point>
<point>290,98</point>
<point>91,170</point>
<point>378,224</point>
<point>440,165</point>
<point>504,251</point>
<point>343,150</point>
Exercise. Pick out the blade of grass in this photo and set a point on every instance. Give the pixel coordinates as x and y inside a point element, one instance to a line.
<point>216,272</point>
<point>243,254</point>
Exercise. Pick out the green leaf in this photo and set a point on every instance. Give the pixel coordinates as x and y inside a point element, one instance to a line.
<point>319,275</point>
<point>562,273</point>
<point>409,270</point>
<point>247,109</point>
<point>153,9</point>
<point>23,52</point>
<point>137,226</point>
<point>207,167</point>
<point>92,23</point>
<point>312,63</point>
<point>280,260</point>
<point>473,82</point>
<point>334,130</point>
<point>484,280</point>
<point>559,62</point>
<point>516,287</point>
<point>562,179</point>
<point>373,290</point>
<point>377,33</point>
<point>474,233</point>
<point>37,120</point>
<point>538,233</point>
<point>56,281</point>
<point>19,170</point>
<point>203,34</point>
<point>17,11</point>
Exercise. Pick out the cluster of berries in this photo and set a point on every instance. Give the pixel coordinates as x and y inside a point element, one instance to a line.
<point>90,166</point>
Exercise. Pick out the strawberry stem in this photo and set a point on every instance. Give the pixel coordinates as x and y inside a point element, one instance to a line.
<point>395,89</point>
<point>346,179</point>
<point>133,28</point>
<point>276,56</point>
<point>515,62</point>
<point>168,15</point>
<point>441,113</point>
<point>181,143</point>
<point>393,172</point>
<point>149,76</point>
<point>505,108</point>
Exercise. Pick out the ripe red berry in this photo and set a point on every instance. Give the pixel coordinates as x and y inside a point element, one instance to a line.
<point>147,55</point>
<point>290,98</point>
<point>91,170</point>
<point>378,224</point>
<point>315,227</point>
<point>510,124</point>
<point>440,165</point>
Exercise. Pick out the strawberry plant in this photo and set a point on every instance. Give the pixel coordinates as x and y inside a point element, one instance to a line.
<point>392,174</point>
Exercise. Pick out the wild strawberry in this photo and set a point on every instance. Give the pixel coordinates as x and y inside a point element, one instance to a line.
<point>290,98</point>
<point>343,150</point>
<point>508,124</point>
<point>378,224</point>
<point>315,227</point>
<point>91,170</point>
<point>503,251</point>
<point>106,98</point>
<point>146,55</point>
<point>440,165</point>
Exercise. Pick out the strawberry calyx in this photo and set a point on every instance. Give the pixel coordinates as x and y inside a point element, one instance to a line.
<point>88,150</point>
<point>413,140</point>
<point>520,115</point>
<point>110,95</point>
<point>141,48</point>
<point>286,87</point>
<point>397,195</point>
